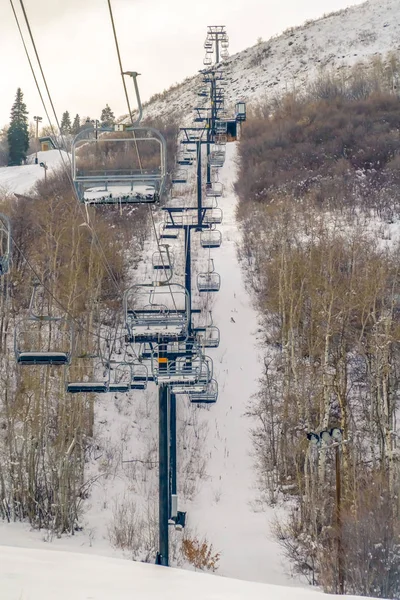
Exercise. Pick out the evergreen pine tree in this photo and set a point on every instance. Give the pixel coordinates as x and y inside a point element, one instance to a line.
<point>66,126</point>
<point>107,118</point>
<point>76,125</point>
<point>18,133</point>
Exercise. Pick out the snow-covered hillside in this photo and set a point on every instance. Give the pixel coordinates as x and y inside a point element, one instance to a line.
<point>21,179</point>
<point>290,61</point>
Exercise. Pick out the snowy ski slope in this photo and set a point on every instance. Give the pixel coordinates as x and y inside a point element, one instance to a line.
<point>46,575</point>
<point>21,179</point>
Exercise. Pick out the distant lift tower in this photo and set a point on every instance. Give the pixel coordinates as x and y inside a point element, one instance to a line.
<point>217,41</point>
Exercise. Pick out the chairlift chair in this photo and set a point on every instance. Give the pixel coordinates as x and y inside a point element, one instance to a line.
<point>185,159</point>
<point>210,238</point>
<point>214,189</point>
<point>107,169</point>
<point>5,244</point>
<point>213,217</point>
<point>207,60</point>
<point>209,336</point>
<point>217,157</point>
<point>209,396</point>
<point>225,42</point>
<point>240,111</point>
<point>140,376</point>
<point>97,382</point>
<point>168,234</point>
<point>153,312</point>
<point>208,282</point>
<point>121,377</point>
<point>163,259</point>
<point>43,341</point>
<point>180,176</point>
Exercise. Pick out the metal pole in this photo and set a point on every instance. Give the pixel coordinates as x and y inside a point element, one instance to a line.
<point>339,522</point>
<point>210,124</point>
<point>199,183</point>
<point>188,272</point>
<point>172,442</point>
<point>217,47</point>
<point>163,511</point>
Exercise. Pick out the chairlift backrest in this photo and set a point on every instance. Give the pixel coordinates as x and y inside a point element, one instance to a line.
<point>110,167</point>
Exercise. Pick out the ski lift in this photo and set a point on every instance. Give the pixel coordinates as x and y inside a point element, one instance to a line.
<point>153,312</point>
<point>224,54</point>
<point>225,42</point>
<point>221,127</point>
<point>207,60</point>
<point>211,238</point>
<point>240,111</point>
<point>185,159</point>
<point>217,157</point>
<point>43,339</point>
<point>208,282</point>
<point>209,336</point>
<point>163,259</point>
<point>96,382</point>
<point>140,376</point>
<point>214,189</point>
<point>208,44</point>
<point>203,92</point>
<point>209,396</point>
<point>127,167</point>
<point>121,377</point>
<point>168,233</point>
<point>180,176</point>
<point>5,244</point>
<point>213,217</point>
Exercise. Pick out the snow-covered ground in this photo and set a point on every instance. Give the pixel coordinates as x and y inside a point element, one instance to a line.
<point>225,508</point>
<point>21,179</point>
<point>45,575</point>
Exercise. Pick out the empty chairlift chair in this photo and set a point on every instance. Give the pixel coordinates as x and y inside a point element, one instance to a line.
<point>212,216</point>
<point>214,189</point>
<point>210,238</point>
<point>168,233</point>
<point>180,176</point>
<point>43,341</point>
<point>94,379</point>
<point>208,337</point>
<point>163,259</point>
<point>154,312</point>
<point>208,282</point>
<point>121,375</point>
<point>240,111</point>
<point>5,244</point>
<point>208,396</point>
<point>110,167</point>
<point>140,376</point>
<point>217,157</point>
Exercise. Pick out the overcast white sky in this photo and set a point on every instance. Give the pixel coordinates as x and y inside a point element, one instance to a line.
<point>161,39</point>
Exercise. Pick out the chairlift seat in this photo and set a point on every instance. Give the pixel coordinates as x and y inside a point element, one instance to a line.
<point>208,282</point>
<point>210,238</point>
<point>95,387</point>
<point>213,217</point>
<point>209,396</point>
<point>107,170</point>
<point>43,358</point>
<point>208,337</point>
<point>214,190</point>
